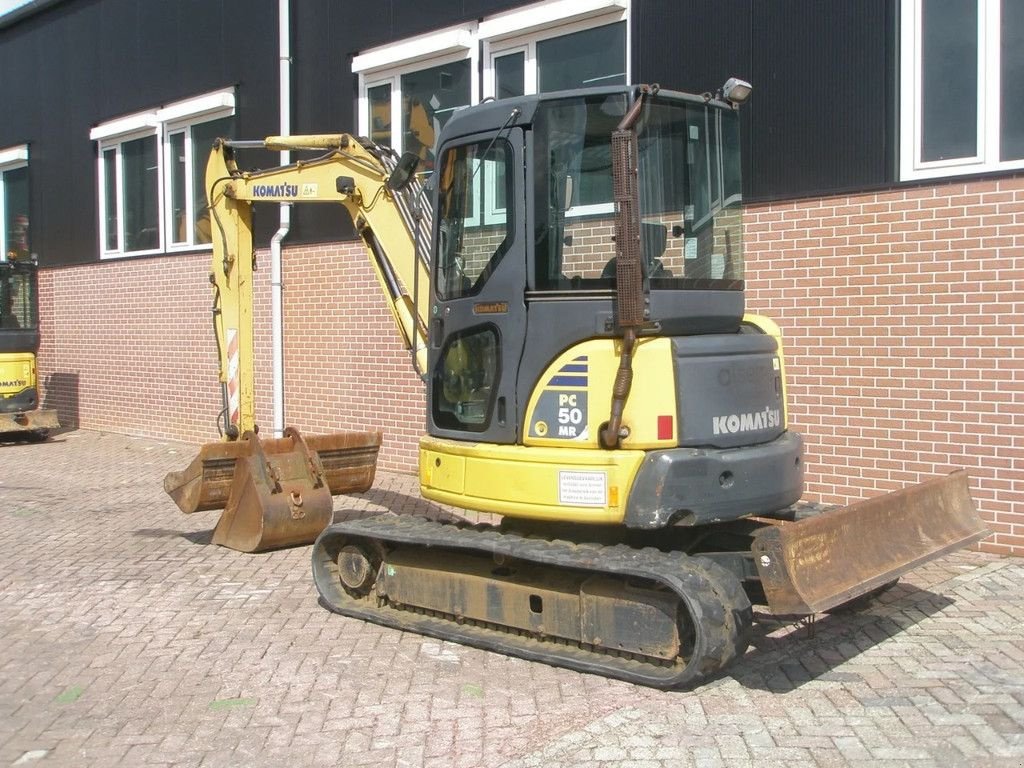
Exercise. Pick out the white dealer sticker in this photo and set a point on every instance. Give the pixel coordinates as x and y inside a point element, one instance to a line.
<point>583,489</point>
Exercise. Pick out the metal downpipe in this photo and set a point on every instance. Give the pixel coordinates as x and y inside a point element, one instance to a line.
<point>276,289</point>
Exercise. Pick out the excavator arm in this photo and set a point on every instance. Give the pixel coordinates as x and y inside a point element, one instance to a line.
<point>356,174</point>
<point>277,492</point>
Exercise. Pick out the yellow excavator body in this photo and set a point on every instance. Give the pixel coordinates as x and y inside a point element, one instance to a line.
<point>572,296</point>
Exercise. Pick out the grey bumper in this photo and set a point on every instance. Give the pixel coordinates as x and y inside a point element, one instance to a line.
<point>693,486</point>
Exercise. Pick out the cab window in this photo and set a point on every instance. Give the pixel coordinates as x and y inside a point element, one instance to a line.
<point>475,216</point>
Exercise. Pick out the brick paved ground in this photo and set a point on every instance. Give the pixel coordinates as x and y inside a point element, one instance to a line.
<point>128,640</point>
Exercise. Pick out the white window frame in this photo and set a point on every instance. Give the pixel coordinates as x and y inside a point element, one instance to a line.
<point>989,98</point>
<point>529,67</point>
<point>172,127</point>
<point>116,145</point>
<point>163,122</point>
<point>11,159</point>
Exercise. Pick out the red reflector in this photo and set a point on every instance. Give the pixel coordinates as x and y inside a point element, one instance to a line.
<point>665,428</point>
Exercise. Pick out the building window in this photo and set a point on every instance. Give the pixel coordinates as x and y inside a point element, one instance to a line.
<point>188,147</point>
<point>560,46</point>
<point>408,91</point>
<point>151,170</point>
<point>962,109</point>
<point>554,47</point>
<point>14,221</point>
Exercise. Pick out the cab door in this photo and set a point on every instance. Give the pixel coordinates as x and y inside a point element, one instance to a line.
<point>478,322</point>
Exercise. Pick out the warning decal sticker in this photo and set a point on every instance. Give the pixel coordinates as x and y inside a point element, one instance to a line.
<point>582,489</point>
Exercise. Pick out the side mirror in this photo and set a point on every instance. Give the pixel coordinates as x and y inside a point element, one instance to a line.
<point>404,171</point>
<point>562,195</point>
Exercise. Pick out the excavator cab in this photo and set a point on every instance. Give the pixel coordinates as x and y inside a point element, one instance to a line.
<point>19,343</point>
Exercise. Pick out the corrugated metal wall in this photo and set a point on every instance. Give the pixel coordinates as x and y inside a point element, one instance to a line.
<point>77,64</point>
<point>820,120</point>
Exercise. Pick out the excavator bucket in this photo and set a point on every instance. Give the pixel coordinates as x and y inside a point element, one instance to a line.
<point>821,562</point>
<point>277,492</point>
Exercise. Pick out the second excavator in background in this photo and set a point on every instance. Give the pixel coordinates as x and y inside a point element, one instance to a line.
<point>21,411</point>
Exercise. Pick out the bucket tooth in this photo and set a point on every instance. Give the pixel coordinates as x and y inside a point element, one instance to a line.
<point>815,564</point>
<point>277,492</point>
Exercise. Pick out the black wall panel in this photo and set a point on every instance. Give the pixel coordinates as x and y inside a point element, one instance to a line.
<point>821,116</point>
<point>695,47</point>
<point>821,119</point>
<point>83,62</point>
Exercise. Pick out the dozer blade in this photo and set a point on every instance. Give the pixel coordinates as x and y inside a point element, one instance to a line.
<point>816,564</point>
<point>277,492</point>
<point>42,420</point>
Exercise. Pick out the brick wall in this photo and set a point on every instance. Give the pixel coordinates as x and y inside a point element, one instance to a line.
<point>128,347</point>
<point>902,314</point>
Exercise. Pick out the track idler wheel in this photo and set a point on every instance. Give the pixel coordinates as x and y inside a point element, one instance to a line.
<point>357,569</point>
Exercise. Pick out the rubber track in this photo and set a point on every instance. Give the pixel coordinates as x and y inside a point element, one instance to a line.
<point>714,598</point>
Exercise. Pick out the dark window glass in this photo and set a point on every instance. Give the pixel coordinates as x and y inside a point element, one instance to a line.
<point>112,225</point>
<point>714,159</point>
<point>510,75</point>
<point>466,379</point>
<point>179,186</point>
<point>697,161</point>
<point>379,98</point>
<point>689,182</point>
<point>572,168</point>
<point>731,171</point>
<point>429,97</point>
<point>949,79</point>
<point>1012,80</point>
<point>15,188</point>
<point>584,59</point>
<point>203,136</point>
<point>141,194</point>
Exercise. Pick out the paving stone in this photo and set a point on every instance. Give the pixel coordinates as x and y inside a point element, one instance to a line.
<point>129,640</point>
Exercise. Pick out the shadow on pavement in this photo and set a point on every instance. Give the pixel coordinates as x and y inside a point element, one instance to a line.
<point>397,503</point>
<point>786,654</point>
<point>196,537</point>
<point>388,501</point>
<point>14,439</point>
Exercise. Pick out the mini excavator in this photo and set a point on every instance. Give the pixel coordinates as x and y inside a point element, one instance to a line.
<point>20,411</point>
<point>570,287</point>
